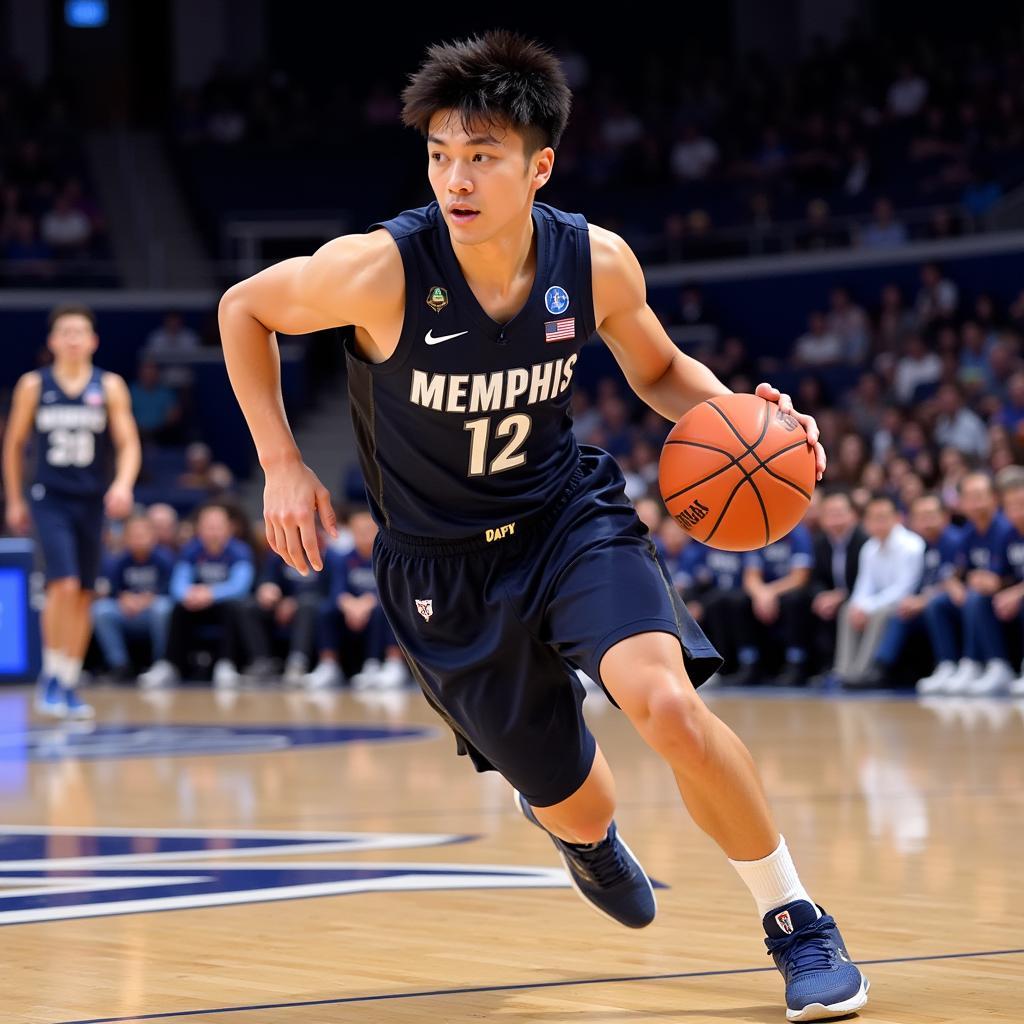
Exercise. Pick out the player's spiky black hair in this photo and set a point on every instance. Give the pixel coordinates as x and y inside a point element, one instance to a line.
<point>498,78</point>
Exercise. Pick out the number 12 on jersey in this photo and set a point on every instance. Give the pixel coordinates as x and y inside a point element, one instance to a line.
<point>518,425</point>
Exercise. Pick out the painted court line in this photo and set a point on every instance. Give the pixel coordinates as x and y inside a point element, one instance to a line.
<point>510,988</point>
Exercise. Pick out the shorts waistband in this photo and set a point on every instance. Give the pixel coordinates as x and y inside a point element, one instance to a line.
<point>498,538</point>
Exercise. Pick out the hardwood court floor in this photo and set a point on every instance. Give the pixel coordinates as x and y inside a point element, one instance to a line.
<point>907,822</point>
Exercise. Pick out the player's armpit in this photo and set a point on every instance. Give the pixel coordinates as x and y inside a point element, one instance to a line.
<point>343,282</point>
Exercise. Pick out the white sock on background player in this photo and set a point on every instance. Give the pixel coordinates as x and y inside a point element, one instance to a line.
<point>51,663</point>
<point>68,671</point>
<point>772,880</point>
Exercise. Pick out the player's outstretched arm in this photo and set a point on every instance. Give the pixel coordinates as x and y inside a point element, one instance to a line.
<point>24,402</point>
<point>127,447</point>
<point>668,380</point>
<point>332,288</point>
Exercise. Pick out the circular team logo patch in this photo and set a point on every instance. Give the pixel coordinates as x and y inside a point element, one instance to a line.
<point>556,298</point>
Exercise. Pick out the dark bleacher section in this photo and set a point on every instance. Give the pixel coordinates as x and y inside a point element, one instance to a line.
<point>52,231</point>
<point>691,156</point>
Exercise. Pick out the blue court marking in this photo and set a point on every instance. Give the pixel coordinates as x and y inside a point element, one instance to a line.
<point>512,988</point>
<point>87,741</point>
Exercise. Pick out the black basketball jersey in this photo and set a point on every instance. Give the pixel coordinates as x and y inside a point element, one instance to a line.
<point>71,439</point>
<point>467,426</point>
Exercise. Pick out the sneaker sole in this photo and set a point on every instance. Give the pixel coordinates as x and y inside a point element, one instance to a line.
<point>572,880</point>
<point>819,1011</point>
<point>53,710</point>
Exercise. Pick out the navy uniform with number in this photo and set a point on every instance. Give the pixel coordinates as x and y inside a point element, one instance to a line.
<point>507,553</point>
<point>73,469</point>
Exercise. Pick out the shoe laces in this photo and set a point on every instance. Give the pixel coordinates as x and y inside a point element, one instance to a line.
<point>604,863</point>
<point>811,948</point>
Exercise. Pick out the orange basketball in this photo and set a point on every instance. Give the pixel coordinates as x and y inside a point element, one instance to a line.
<point>736,473</point>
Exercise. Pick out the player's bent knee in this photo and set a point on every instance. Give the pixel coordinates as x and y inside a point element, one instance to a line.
<point>676,726</point>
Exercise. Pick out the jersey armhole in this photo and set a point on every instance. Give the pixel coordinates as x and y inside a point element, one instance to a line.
<point>404,348</point>
<point>585,273</point>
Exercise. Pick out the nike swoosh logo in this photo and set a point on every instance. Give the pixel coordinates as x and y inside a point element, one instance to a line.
<point>431,340</point>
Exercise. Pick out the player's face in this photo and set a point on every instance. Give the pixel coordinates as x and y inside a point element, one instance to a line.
<point>1013,506</point>
<point>485,168</point>
<point>72,338</point>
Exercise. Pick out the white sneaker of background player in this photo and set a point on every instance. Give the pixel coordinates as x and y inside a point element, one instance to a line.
<point>967,671</point>
<point>995,679</point>
<point>324,676</point>
<point>392,675</point>
<point>367,677</point>
<point>936,682</point>
<point>225,674</point>
<point>160,674</point>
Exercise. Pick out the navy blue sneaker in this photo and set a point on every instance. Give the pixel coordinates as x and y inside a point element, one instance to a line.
<point>822,981</point>
<point>74,706</point>
<point>605,874</point>
<point>50,697</point>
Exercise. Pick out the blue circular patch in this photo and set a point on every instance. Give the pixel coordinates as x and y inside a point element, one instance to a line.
<point>556,298</point>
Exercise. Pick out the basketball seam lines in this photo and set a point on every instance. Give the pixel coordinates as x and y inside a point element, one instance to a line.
<point>747,477</point>
<point>734,461</point>
<point>750,448</point>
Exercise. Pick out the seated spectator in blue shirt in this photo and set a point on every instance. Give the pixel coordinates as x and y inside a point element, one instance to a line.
<point>929,520</point>
<point>962,626</point>
<point>155,406</point>
<point>139,604</point>
<point>1008,603</point>
<point>352,611</point>
<point>209,583</point>
<point>776,581</point>
<point>283,612</point>
<point>713,591</point>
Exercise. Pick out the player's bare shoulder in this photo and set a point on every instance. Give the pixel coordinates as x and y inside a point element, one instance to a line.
<point>367,269</point>
<point>28,388</point>
<point>618,279</point>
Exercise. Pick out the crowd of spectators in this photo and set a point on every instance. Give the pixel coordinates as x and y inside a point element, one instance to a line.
<point>869,142</point>
<point>184,596</point>
<point>51,227</point>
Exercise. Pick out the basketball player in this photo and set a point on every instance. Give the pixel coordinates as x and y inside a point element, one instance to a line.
<point>508,555</point>
<point>74,412</point>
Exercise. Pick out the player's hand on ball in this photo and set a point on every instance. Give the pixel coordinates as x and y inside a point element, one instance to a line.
<point>292,497</point>
<point>806,421</point>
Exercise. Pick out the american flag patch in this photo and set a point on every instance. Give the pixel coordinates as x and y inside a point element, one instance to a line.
<point>560,330</point>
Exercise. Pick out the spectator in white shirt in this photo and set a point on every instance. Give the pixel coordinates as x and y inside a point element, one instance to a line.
<point>907,93</point>
<point>938,297</point>
<point>849,321</point>
<point>693,155</point>
<point>959,427</point>
<point>819,346</point>
<point>66,229</point>
<point>916,368</point>
<point>888,570</point>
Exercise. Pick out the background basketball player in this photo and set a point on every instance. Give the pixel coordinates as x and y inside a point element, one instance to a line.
<point>74,413</point>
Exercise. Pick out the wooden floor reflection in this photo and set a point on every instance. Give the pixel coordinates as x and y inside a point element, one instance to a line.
<point>906,819</point>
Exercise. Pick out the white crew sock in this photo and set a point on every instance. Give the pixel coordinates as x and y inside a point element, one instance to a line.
<point>772,880</point>
<point>68,671</point>
<point>51,662</point>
